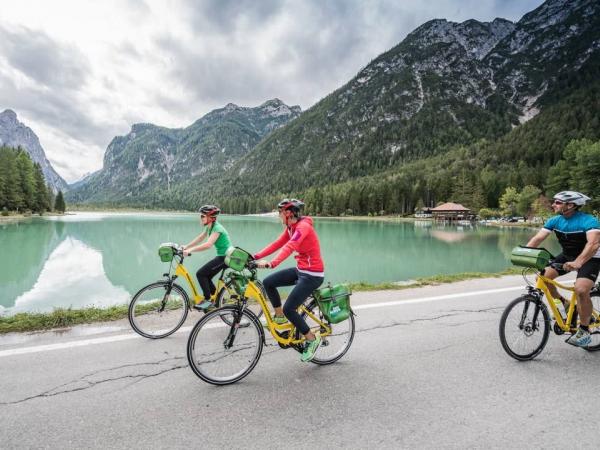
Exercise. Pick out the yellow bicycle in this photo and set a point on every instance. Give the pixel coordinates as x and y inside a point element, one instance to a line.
<point>226,344</point>
<point>525,323</point>
<point>161,308</point>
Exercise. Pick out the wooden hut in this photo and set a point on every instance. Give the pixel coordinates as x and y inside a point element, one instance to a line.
<point>450,212</point>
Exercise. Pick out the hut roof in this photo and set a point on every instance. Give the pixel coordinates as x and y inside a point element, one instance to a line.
<point>450,207</point>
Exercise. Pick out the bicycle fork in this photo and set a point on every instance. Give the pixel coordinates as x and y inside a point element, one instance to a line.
<point>532,297</point>
<point>237,318</point>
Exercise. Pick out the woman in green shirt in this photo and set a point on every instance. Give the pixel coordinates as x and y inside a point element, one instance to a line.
<point>215,234</point>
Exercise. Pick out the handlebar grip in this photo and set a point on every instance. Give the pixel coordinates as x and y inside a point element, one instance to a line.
<point>251,265</point>
<point>557,266</point>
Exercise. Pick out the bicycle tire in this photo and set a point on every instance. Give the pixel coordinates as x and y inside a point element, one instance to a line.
<point>147,312</point>
<point>209,357</point>
<point>595,334</point>
<point>222,301</point>
<point>523,326</point>
<point>336,345</point>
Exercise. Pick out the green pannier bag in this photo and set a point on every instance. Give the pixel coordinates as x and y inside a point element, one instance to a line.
<point>334,302</point>
<point>236,258</point>
<point>535,258</point>
<point>239,282</point>
<point>166,251</point>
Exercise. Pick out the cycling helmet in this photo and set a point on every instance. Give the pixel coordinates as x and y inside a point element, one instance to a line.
<point>209,211</point>
<point>574,197</point>
<point>292,204</point>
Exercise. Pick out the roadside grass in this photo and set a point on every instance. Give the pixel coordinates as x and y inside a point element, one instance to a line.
<point>433,280</point>
<point>66,317</point>
<point>60,318</point>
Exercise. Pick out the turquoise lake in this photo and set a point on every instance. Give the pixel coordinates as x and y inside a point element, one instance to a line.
<point>103,258</point>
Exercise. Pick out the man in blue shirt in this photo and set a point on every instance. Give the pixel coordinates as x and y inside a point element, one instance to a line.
<point>579,236</point>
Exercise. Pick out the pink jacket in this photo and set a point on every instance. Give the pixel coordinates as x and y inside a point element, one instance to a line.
<point>300,238</point>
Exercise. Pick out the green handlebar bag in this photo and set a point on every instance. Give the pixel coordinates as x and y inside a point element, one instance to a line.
<point>166,251</point>
<point>535,258</point>
<point>334,302</point>
<point>236,258</point>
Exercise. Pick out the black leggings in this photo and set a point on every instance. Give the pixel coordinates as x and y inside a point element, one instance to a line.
<point>305,285</point>
<point>205,274</point>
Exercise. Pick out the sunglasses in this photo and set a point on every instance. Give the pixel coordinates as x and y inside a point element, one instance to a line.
<point>557,202</point>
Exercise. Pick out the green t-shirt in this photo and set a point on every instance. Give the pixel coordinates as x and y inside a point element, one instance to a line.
<point>223,242</point>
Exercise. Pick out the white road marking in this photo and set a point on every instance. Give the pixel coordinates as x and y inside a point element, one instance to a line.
<point>132,335</point>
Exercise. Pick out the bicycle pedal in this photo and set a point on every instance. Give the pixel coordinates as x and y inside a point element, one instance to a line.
<point>283,335</point>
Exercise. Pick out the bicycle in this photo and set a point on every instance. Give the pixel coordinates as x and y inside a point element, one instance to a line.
<point>220,351</point>
<point>525,323</point>
<point>161,308</point>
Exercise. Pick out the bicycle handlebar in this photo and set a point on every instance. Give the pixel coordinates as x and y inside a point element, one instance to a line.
<point>557,266</point>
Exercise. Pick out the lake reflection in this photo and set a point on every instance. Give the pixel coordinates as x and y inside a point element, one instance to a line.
<point>73,275</point>
<point>104,258</point>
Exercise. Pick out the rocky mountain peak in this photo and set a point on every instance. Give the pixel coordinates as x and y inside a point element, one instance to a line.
<point>8,117</point>
<point>552,12</point>
<point>141,127</point>
<point>477,38</point>
<point>15,134</point>
<point>276,107</point>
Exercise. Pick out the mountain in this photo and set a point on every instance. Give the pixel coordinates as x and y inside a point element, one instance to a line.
<point>15,134</point>
<point>447,84</point>
<point>150,162</point>
<point>456,111</point>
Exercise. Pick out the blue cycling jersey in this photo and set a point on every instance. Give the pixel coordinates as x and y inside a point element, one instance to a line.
<point>571,231</point>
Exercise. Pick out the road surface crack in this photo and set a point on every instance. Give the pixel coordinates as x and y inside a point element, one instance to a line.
<point>89,383</point>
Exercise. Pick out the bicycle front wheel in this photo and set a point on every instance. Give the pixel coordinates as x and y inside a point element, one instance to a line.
<point>158,310</point>
<point>524,328</point>
<point>221,354</point>
<point>335,345</point>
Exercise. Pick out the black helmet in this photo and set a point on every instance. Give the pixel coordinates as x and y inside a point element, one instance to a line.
<point>291,204</point>
<point>209,210</point>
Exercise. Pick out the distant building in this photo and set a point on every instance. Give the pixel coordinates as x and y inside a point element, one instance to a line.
<point>425,213</point>
<point>451,211</point>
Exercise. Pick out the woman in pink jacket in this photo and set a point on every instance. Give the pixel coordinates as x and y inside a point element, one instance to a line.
<point>299,236</point>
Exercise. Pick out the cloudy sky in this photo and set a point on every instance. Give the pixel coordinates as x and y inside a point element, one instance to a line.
<point>79,72</point>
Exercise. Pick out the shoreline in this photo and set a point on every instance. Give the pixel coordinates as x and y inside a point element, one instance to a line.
<point>390,218</point>
<point>61,318</point>
<point>21,217</point>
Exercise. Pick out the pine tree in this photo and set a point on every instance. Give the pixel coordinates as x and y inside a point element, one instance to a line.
<point>41,194</point>
<point>59,203</point>
<point>27,181</point>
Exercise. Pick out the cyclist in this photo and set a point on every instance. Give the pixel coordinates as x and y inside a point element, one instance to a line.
<point>216,235</point>
<point>299,236</point>
<point>579,236</point>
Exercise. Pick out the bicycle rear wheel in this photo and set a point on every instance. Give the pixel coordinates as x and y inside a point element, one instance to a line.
<point>595,332</point>
<point>223,354</point>
<point>334,346</point>
<point>524,328</point>
<point>158,310</point>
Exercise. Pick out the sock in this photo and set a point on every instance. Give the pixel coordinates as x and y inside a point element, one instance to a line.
<point>585,328</point>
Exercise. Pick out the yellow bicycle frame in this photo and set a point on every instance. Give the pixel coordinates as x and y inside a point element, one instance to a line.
<point>542,284</point>
<point>253,291</point>
<point>181,271</point>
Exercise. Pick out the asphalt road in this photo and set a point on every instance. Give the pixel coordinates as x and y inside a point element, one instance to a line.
<point>428,371</point>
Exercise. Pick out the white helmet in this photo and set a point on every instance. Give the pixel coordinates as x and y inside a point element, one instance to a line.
<point>577,198</point>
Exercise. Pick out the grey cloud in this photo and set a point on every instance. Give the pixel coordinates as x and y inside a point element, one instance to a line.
<point>56,108</point>
<point>322,46</point>
<point>224,15</point>
<point>36,55</point>
<point>60,73</point>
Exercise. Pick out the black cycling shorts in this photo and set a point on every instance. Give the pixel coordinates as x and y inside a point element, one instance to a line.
<point>589,270</point>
